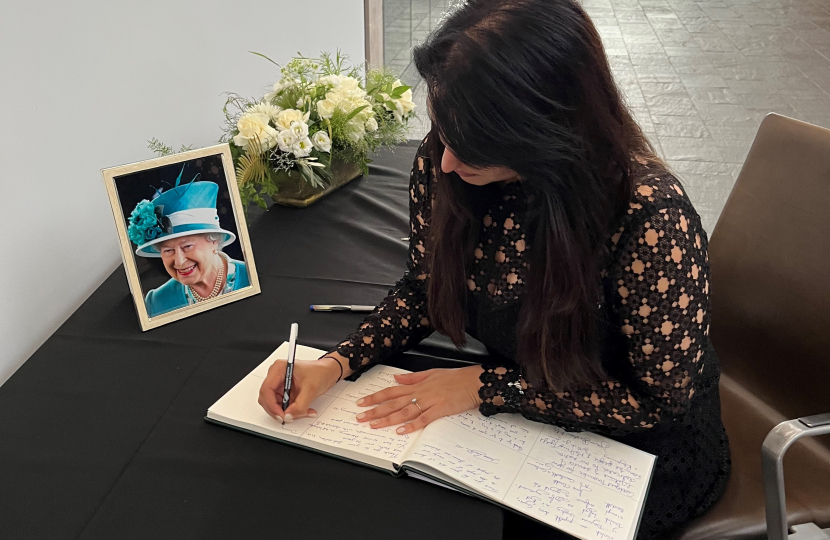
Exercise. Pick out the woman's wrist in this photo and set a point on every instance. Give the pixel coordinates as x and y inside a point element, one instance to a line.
<point>475,382</point>
<point>339,366</point>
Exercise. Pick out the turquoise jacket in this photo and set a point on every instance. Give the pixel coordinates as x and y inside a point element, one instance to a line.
<point>173,295</point>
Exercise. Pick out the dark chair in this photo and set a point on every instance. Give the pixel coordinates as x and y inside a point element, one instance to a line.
<point>770,290</point>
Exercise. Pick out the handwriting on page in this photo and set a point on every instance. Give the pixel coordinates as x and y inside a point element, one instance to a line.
<point>338,427</point>
<point>475,468</point>
<point>575,506</point>
<point>468,456</point>
<point>586,485</point>
<point>518,436</point>
<point>588,459</point>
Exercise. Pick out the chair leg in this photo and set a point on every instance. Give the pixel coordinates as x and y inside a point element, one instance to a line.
<point>779,439</point>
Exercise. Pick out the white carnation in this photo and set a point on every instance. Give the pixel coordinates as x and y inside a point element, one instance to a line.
<point>321,141</point>
<point>355,130</point>
<point>349,84</point>
<point>348,97</point>
<point>371,124</point>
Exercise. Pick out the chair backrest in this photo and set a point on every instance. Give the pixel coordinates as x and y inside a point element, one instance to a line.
<point>770,270</point>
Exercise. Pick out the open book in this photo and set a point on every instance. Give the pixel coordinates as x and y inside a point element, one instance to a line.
<point>584,484</point>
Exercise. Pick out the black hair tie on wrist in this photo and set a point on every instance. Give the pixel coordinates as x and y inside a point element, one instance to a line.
<point>336,361</point>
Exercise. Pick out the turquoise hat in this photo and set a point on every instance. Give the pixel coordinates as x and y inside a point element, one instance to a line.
<point>183,210</point>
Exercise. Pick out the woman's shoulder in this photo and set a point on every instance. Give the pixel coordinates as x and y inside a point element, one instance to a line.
<point>423,148</point>
<point>659,213</point>
<point>655,188</point>
<point>421,178</point>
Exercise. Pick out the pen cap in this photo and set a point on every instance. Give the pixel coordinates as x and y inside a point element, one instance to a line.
<point>292,341</point>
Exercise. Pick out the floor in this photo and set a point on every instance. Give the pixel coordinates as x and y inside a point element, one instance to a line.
<point>699,76</point>
<point>406,23</point>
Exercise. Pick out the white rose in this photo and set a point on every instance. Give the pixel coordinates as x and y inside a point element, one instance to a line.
<point>321,141</point>
<point>301,148</point>
<point>403,105</point>
<point>286,139</point>
<point>290,115</point>
<point>398,111</point>
<point>325,108</point>
<point>254,126</point>
<point>371,124</point>
<point>406,97</point>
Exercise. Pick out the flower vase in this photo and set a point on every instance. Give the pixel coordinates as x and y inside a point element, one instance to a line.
<point>295,191</point>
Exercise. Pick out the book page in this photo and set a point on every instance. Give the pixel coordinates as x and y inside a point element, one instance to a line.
<point>335,429</point>
<point>584,484</point>
<point>240,405</point>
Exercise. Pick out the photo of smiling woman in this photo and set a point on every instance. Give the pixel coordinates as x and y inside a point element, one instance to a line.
<point>181,227</point>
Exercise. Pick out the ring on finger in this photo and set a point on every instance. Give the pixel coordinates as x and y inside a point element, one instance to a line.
<point>415,402</point>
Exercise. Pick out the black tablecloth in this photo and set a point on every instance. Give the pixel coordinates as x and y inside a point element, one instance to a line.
<point>102,432</point>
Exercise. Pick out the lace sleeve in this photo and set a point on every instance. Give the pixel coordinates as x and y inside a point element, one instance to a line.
<point>660,304</point>
<point>401,319</point>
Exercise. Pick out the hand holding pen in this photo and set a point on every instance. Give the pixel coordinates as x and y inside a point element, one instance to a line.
<point>287,401</point>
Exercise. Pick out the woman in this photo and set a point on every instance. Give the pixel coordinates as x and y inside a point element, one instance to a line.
<point>182,227</point>
<point>543,224</point>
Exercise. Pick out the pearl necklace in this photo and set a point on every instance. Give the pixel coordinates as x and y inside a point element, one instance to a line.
<point>216,286</point>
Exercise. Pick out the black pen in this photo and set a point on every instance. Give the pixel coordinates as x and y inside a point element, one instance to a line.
<point>337,307</point>
<point>289,367</point>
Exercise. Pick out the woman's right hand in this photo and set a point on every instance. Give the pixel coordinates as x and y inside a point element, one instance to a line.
<point>312,378</point>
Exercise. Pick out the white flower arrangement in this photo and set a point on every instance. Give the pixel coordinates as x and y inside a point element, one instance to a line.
<point>317,109</point>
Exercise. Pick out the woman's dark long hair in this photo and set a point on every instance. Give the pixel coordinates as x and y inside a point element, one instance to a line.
<point>525,84</point>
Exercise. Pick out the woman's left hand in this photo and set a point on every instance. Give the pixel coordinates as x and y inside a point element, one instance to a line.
<point>439,392</point>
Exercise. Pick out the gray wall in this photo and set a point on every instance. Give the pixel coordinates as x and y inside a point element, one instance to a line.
<point>84,86</point>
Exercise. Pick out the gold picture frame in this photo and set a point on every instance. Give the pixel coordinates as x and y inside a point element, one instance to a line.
<point>184,235</point>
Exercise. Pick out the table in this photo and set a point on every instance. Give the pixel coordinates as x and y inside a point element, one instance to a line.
<point>102,433</point>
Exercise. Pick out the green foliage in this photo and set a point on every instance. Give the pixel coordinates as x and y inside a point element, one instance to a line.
<point>299,87</point>
<point>254,176</point>
<point>354,112</point>
<point>161,149</point>
<point>263,56</point>
<point>381,80</point>
<point>232,110</point>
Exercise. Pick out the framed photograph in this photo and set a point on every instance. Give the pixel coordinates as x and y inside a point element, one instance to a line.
<point>182,232</point>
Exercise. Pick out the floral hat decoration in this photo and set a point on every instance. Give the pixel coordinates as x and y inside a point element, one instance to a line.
<point>183,210</point>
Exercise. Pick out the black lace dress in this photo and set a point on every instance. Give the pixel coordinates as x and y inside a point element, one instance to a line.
<point>663,398</point>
